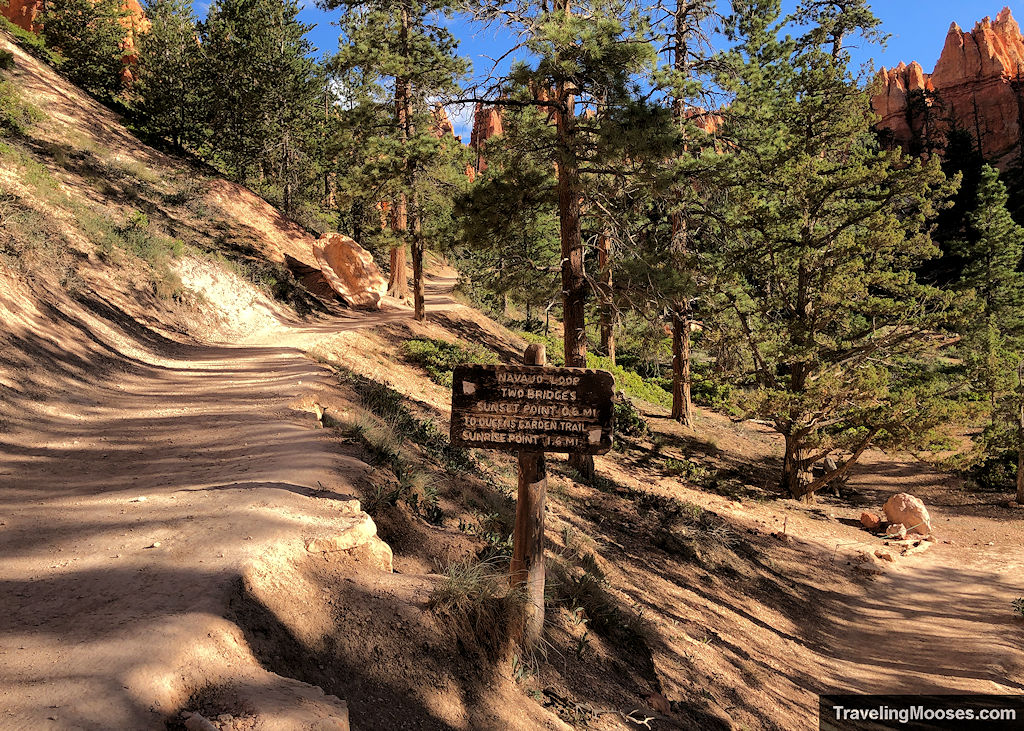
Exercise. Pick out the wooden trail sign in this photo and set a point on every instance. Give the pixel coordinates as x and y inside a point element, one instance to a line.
<point>532,409</point>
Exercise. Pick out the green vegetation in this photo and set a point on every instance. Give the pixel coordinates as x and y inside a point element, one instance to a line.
<point>438,358</point>
<point>470,583</point>
<point>168,87</point>
<point>16,114</point>
<point>30,42</point>
<point>628,421</point>
<point>388,432</point>
<point>1018,606</point>
<point>630,382</point>
<point>90,36</point>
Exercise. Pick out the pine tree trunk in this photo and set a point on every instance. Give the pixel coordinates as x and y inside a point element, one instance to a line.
<point>793,476</point>
<point>607,307</point>
<point>1020,434</point>
<point>286,173</point>
<point>570,196</point>
<point>682,406</point>
<point>398,285</point>
<point>570,193</point>
<point>419,302</point>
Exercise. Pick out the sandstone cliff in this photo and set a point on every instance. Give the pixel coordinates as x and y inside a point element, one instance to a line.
<point>977,85</point>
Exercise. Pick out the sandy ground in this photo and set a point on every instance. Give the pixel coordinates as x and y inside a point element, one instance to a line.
<point>138,498</point>
<point>139,480</point>
<point>939,622</point>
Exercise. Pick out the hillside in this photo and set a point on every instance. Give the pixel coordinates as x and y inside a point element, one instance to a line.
<point>186,529</point>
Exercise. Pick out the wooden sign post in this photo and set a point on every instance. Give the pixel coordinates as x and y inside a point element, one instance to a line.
<point>532,409</point>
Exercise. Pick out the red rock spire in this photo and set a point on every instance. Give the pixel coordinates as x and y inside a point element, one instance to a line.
<point>975,85</point>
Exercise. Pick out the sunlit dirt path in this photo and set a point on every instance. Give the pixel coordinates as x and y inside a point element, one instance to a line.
<point>940,621</point>
<point>139,477</point>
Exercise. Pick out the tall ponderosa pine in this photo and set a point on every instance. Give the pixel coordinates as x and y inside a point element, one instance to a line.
<point>406,56</point>
<point>589,59</point>
<point>91,36</point>
<point>993,343</point>
<point>167,76</point>
<point>263,97</point>
<point>817,234</point>
<point>686,28</point>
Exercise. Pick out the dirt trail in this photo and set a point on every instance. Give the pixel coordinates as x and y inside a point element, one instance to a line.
<point>438,286</point>
<point>139,479</point>
<point>939,621</point>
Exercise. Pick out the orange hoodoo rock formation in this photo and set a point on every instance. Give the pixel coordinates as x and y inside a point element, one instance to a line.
<point>487,123</point>
<point>977,85</point>
<point>441,125</point>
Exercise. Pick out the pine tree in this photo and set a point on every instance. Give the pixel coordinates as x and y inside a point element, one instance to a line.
<point>816,233</point>
<point>404,51</point>
<point>262,97</point>
<point>167,74</point>
<point>991,259</point>
<point>993,339</point>
<point>510,217</point>
<point>91,36</point>
<point>686,27</point>
<point>589,60</point>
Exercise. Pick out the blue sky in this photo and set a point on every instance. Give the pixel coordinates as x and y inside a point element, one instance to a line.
<point>917,34</point>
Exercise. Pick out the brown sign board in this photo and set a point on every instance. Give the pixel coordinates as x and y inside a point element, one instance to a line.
<point>532,408</point>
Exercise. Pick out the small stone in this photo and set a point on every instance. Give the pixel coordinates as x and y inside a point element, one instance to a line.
<point>885,555</point>
<point>197,722</point>
<point>870,520</point>
<point>225,718</point>
<point>896,530</point>
<point>919,548</point>
<point>154,544</point>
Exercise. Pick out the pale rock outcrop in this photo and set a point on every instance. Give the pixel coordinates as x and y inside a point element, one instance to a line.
<point>910,511</point>
<point>350,271</point>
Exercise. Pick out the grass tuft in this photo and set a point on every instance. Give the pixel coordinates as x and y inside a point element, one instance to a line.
<point>483,611</point>
<point>16,114</point>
